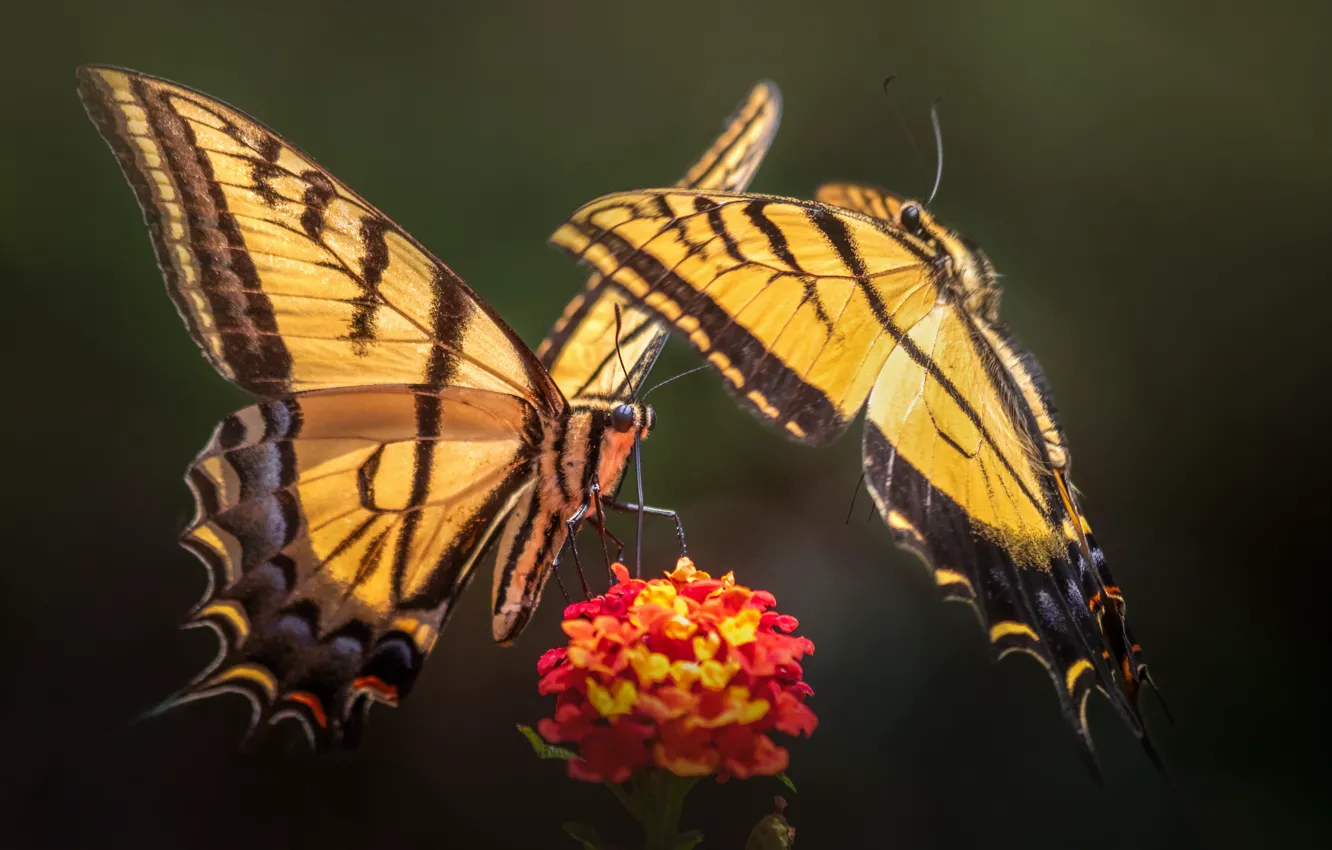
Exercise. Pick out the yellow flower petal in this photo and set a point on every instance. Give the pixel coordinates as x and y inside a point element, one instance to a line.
<point>715,675</point>
<point>679,627</point>
<point>740,629</point>
<point>658,592</point>
<point>741,708</point>
<point>706,646</point>
<point>651,667</point>
<point>685,673</point>
<point>754,710</point>
<point>618,700</point>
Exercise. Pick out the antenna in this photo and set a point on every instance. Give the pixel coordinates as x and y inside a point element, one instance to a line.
<point>634,395</point>
<point>938,148</point>
<point>675,378</point>
<point>901,119</point>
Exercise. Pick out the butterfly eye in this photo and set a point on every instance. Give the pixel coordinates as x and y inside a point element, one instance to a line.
<point>622,418</point>
<point>910,219</point>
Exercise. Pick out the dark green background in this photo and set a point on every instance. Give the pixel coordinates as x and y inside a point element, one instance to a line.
<point>1153,184</point>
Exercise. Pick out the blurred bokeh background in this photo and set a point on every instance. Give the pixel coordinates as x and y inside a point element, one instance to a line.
<point>1152,183</point>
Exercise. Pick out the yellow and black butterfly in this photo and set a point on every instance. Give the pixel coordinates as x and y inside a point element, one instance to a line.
<point>401,427</point>
<point>811,309</point>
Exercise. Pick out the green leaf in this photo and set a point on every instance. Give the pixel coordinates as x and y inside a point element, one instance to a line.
<point>786,780</point>
<point>584,835</point>
<point>687,840</point>
<point>542,749</point>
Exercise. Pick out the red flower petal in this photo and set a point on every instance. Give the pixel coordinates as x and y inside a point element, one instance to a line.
<point>781,622</point>
<point>551,659</point>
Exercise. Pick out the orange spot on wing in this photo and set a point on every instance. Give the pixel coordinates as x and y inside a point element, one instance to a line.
<point>383,689</point>
<point>311,702</point>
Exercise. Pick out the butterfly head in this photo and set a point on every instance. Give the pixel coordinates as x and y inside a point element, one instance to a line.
<point>622,425</point>
<point>633,419</point>
<point>959,260</point>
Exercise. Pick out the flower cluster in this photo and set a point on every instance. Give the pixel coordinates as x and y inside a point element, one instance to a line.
<point>687,673</point>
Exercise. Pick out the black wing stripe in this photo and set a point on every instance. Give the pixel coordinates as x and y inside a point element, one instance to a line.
<point>226,266</point>
<point>746,353</point>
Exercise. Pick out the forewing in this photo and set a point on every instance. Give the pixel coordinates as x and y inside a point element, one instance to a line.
<point>796,303</point>
<point>338,527</point>
<point>952,462</point>
<point>287,279</point>
<point>580,349</point>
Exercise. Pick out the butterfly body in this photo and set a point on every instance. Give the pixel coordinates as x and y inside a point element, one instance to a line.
<point>582,455</point>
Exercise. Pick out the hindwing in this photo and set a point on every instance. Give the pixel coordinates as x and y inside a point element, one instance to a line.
<point>953,468</point>
<point>338,527</point>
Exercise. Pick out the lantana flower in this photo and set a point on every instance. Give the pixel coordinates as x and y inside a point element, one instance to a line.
<point>687,673</point>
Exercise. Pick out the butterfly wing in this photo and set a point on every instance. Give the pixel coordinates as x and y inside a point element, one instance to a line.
<point>862,198</point>
<point>580,350</point>
<point>337,527</point>
<point>805,308</point>
<point>286,279</point>
<point>1104,599</point>
<point>794,302</point>
<point>952,465</point>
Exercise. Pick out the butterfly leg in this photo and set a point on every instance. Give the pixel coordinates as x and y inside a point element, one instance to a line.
<point>555,568</point>
<point>599,520</point>
<point>602,528</point>
<point>572,524</point>
<point>625,507</point>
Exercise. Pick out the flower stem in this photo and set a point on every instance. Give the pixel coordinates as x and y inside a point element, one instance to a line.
<point>656,801</point>
<point>626,799</point>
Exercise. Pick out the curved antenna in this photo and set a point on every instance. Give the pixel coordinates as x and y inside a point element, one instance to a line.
<point>938,148</point>
<point>634,395</point>
<point>675,378</point>
<point>901,119</point>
